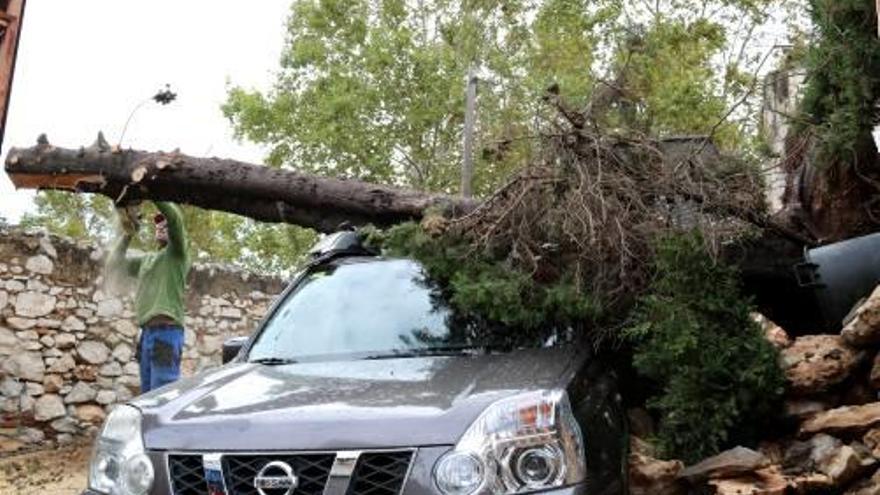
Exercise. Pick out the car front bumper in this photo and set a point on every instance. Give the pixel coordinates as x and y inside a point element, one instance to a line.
<point>579,489</point>
<point>418,482</point>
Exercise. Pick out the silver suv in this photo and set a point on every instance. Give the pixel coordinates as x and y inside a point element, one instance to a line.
<point>363,380</point>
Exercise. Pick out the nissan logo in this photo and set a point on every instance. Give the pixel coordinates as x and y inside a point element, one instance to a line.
<point>276,478</point>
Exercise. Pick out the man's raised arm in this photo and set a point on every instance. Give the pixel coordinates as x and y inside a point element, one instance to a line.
<point>176,230</point>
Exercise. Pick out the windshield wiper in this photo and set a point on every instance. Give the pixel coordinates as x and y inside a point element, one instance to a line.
<point>273,361</point>
<point>454,350</point>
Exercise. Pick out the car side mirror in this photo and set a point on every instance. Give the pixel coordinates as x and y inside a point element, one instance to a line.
<point>232,347</point>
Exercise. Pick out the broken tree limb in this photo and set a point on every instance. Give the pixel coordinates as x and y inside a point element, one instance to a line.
<point>281,195</point>
<point>259,192</point>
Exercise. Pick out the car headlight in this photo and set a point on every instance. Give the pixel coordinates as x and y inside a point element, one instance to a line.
<point>527,442</point>
<point>120,465</point>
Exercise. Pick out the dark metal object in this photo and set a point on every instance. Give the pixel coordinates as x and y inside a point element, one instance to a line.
<point>839,275</point>
<point>346,242</point>
<point>231,348</point>
<point>187,474</point>
<point>380,473</point>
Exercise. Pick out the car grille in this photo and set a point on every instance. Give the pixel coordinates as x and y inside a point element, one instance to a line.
<point>187,475</point>
<point>380,473</point>
<point>376,473</point>
<point>312,470</point>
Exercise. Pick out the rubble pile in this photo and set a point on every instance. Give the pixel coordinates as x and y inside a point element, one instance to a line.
<point>67,345</point>
<point>828,440</point>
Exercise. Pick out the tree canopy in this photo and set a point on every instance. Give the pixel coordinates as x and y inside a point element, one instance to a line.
<point>374,89</point>
<point>841,95</point>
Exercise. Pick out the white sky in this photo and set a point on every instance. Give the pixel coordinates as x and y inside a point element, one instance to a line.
<point>84,65</point>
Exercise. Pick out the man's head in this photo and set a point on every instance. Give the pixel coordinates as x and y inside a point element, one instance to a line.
<point>161,229</point>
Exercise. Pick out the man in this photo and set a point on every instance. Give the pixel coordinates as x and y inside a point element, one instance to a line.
<point>159,298</point>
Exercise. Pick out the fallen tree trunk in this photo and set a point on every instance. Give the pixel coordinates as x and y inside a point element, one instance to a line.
<point>262,193</point>
<point>281,195</point>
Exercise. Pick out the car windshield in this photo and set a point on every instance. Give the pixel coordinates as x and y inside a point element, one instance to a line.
<point>375,308</point>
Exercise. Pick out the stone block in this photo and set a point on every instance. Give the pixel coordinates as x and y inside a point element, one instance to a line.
<point>72,324</point>
<point>49,407</point>
<point>64,364</point>
<point>19,323</point>
<point>816,363</point>
<point>81,392</point>
<point>25,365</point>
<point>40,264</point>
<point>93,352</point>
<point>90,413</point>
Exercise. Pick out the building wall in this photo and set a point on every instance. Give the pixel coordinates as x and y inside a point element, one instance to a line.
<point>67,343</point>
<point>782,94</point>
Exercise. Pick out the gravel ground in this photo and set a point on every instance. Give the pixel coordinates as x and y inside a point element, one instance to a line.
<point>62,471</point>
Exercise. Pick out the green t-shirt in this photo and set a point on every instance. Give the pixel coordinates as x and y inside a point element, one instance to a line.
<point>161,275</point>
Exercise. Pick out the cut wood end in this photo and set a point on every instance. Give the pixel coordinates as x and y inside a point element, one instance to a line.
<point>68,182</point>
<point>138,174</point>
<point>161,164</point>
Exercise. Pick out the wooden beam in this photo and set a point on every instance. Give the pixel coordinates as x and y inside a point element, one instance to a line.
<point>13,16</point>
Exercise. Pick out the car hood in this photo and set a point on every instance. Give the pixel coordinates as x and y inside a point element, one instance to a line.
<point>343,404</point>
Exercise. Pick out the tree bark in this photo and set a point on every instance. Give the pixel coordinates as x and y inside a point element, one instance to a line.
<point>835,198</point>
<point>262,193</point>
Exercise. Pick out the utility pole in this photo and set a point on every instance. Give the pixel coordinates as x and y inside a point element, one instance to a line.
<point>467,162</point>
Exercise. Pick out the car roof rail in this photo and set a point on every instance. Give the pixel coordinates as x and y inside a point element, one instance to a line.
<point>346,242</point>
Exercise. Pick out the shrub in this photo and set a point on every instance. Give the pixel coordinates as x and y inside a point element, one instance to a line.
<point>718,377</point>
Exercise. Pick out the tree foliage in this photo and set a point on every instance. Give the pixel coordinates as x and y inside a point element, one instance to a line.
<point>718,376</point>
<point>715,377</point>
<point>488,288</point>
<point>843,89</point>
<point>214,236</point>
<point>73,215</point>
<point>374,89</point>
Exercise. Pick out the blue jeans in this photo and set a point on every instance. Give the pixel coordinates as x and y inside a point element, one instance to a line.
<point>160,350</point>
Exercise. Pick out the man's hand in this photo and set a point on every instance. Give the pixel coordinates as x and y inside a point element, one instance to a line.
<point>130,218</point>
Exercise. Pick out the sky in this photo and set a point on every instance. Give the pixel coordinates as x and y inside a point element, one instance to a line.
<point>84,66</point>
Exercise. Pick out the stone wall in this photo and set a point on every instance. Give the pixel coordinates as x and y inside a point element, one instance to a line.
<point>824,439</point>
<point>67,345</point>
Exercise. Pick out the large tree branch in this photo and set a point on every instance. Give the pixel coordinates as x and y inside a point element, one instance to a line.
<point>279,195</point>
<point>263,193</point>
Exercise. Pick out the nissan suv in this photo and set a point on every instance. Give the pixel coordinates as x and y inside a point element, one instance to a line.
<point>363,380</point>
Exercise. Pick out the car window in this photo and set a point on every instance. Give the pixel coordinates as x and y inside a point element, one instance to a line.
<point>371,308</point>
